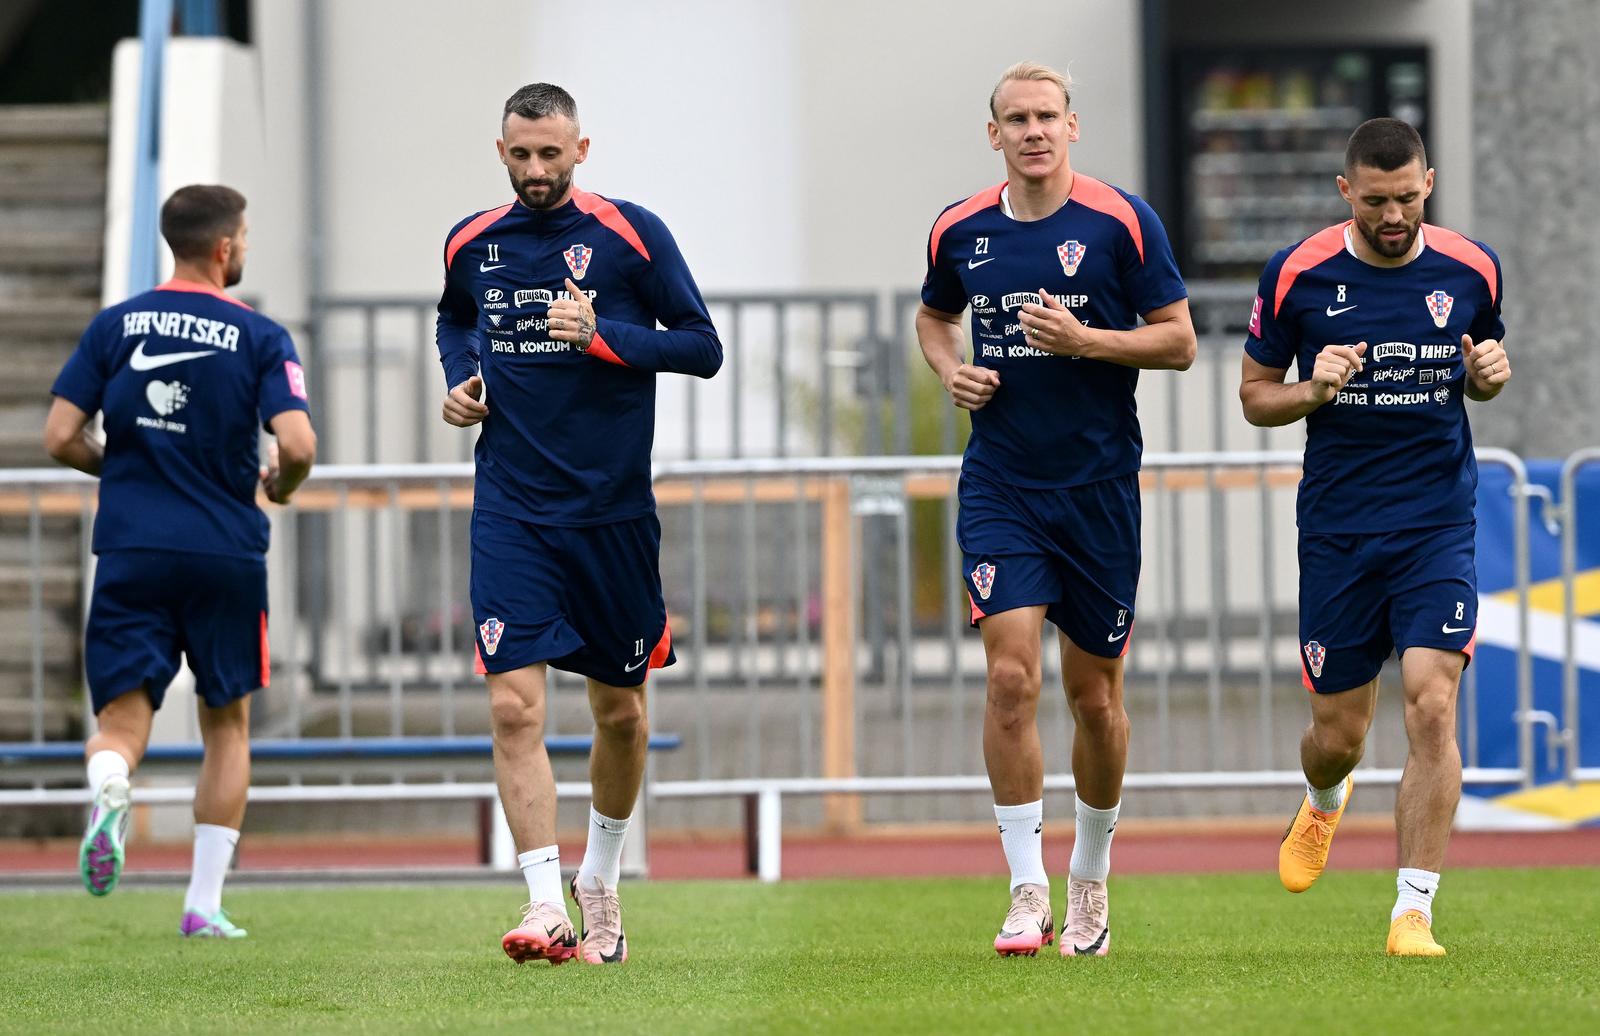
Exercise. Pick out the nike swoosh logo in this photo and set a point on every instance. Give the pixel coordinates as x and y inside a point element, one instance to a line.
<point>631,668</point>
<point>1447,628</point>
<point>141,362</point>
<point>973,264</point>
<point>1112,640</point>
<point>1425,892</point>
<point>552,930</point>
<point>1084,951</point>
<point>484,268</point>
<point>1335,312</point>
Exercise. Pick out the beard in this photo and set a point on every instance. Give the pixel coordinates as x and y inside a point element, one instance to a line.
<point>1386,249</point>
<point>233,273</point>
<point>555,190</point>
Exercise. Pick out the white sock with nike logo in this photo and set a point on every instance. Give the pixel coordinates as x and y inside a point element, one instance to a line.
<point>1022,837</point>
<point>1091,849</point>
<point>542,869</point>
<point>602,855</point>
<point>1416,888</point>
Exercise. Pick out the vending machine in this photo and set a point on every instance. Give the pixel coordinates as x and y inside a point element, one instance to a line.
<point>1259,135</point>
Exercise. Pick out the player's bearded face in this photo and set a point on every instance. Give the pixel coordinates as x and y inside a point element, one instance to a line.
<point>541,192</point>
<point>539,156</point>
<point>233,270</point>
<point>1388,204</point>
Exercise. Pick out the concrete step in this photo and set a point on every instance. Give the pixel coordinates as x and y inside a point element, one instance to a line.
<point>49,250</point>
<point>60,541</point>
<point>54,174</point>
<point>22,123</point>
<point>63,716</point>
<point>46,317</point>
<point>30,368</point>
<point>60,587</point>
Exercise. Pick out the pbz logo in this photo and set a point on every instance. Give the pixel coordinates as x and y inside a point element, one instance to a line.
<point>1071,254</point>
<point>1439,305</point>
<point>983,580</point>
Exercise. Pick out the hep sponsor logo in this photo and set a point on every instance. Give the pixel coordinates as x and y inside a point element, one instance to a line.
<point>1437,352</point>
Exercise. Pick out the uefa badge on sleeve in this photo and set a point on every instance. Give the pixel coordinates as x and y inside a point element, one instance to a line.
<point>983,580</point>
<point>1070,254</point>
<point>1439,308</point>
<point>1316,654</point>
<point>490,630</point>
<point>577,258</point>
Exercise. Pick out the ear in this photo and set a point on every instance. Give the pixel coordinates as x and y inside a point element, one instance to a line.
<point>1427,185</point>
<point>994,135</point>
<point>583,150</point>
<point>222,251</point>
<point>1072,127</point>
<point>500,148</point>
<point>1344,189</point>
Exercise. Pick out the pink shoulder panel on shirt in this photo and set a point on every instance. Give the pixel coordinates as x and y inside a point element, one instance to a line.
<point>1464,250</point>
<point>956,213</point>
<point>472,230</point>
<point>199,289</point>
<point>1316,249</point>
<point>1102,197</point>
<point>608,213</point>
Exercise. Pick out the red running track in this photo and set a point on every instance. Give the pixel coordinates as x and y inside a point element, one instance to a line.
<point>1156,849</point>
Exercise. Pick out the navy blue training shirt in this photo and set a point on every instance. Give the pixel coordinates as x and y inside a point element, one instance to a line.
<point>184,375</point>
<point>568,436</point>
<point>1393,450</point>
<point>1055,421</point>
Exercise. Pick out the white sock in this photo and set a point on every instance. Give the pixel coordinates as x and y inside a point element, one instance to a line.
<point>213,851</point>
<point>1416,888</point>
<point>542,868</point>
<point>602,857</point>
<point>1022,837</point>
<point>1326,800</point>
<point>1091,849</point>
<point>105,764</point>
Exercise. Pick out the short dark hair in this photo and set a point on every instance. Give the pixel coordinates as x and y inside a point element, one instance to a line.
<point>1385,144</point>
<point>196,216</point>
<point>538,100</point>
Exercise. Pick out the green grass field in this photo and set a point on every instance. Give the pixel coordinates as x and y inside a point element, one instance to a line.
<point>1189,954</point>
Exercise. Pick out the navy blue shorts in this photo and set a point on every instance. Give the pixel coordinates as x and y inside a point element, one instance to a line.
<point>151,605</point>
<point>1364,595</point>
<point>586,599</point>
<point>1074,550</point>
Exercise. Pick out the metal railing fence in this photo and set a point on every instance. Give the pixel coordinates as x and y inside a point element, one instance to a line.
<point>766,566</point>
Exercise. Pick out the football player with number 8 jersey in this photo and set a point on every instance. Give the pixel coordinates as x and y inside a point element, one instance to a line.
<point>1392,324</point>
<point>548,336</point>
<point>1058,269</point>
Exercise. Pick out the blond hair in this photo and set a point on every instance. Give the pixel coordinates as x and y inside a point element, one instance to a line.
<point>1030,70</point>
